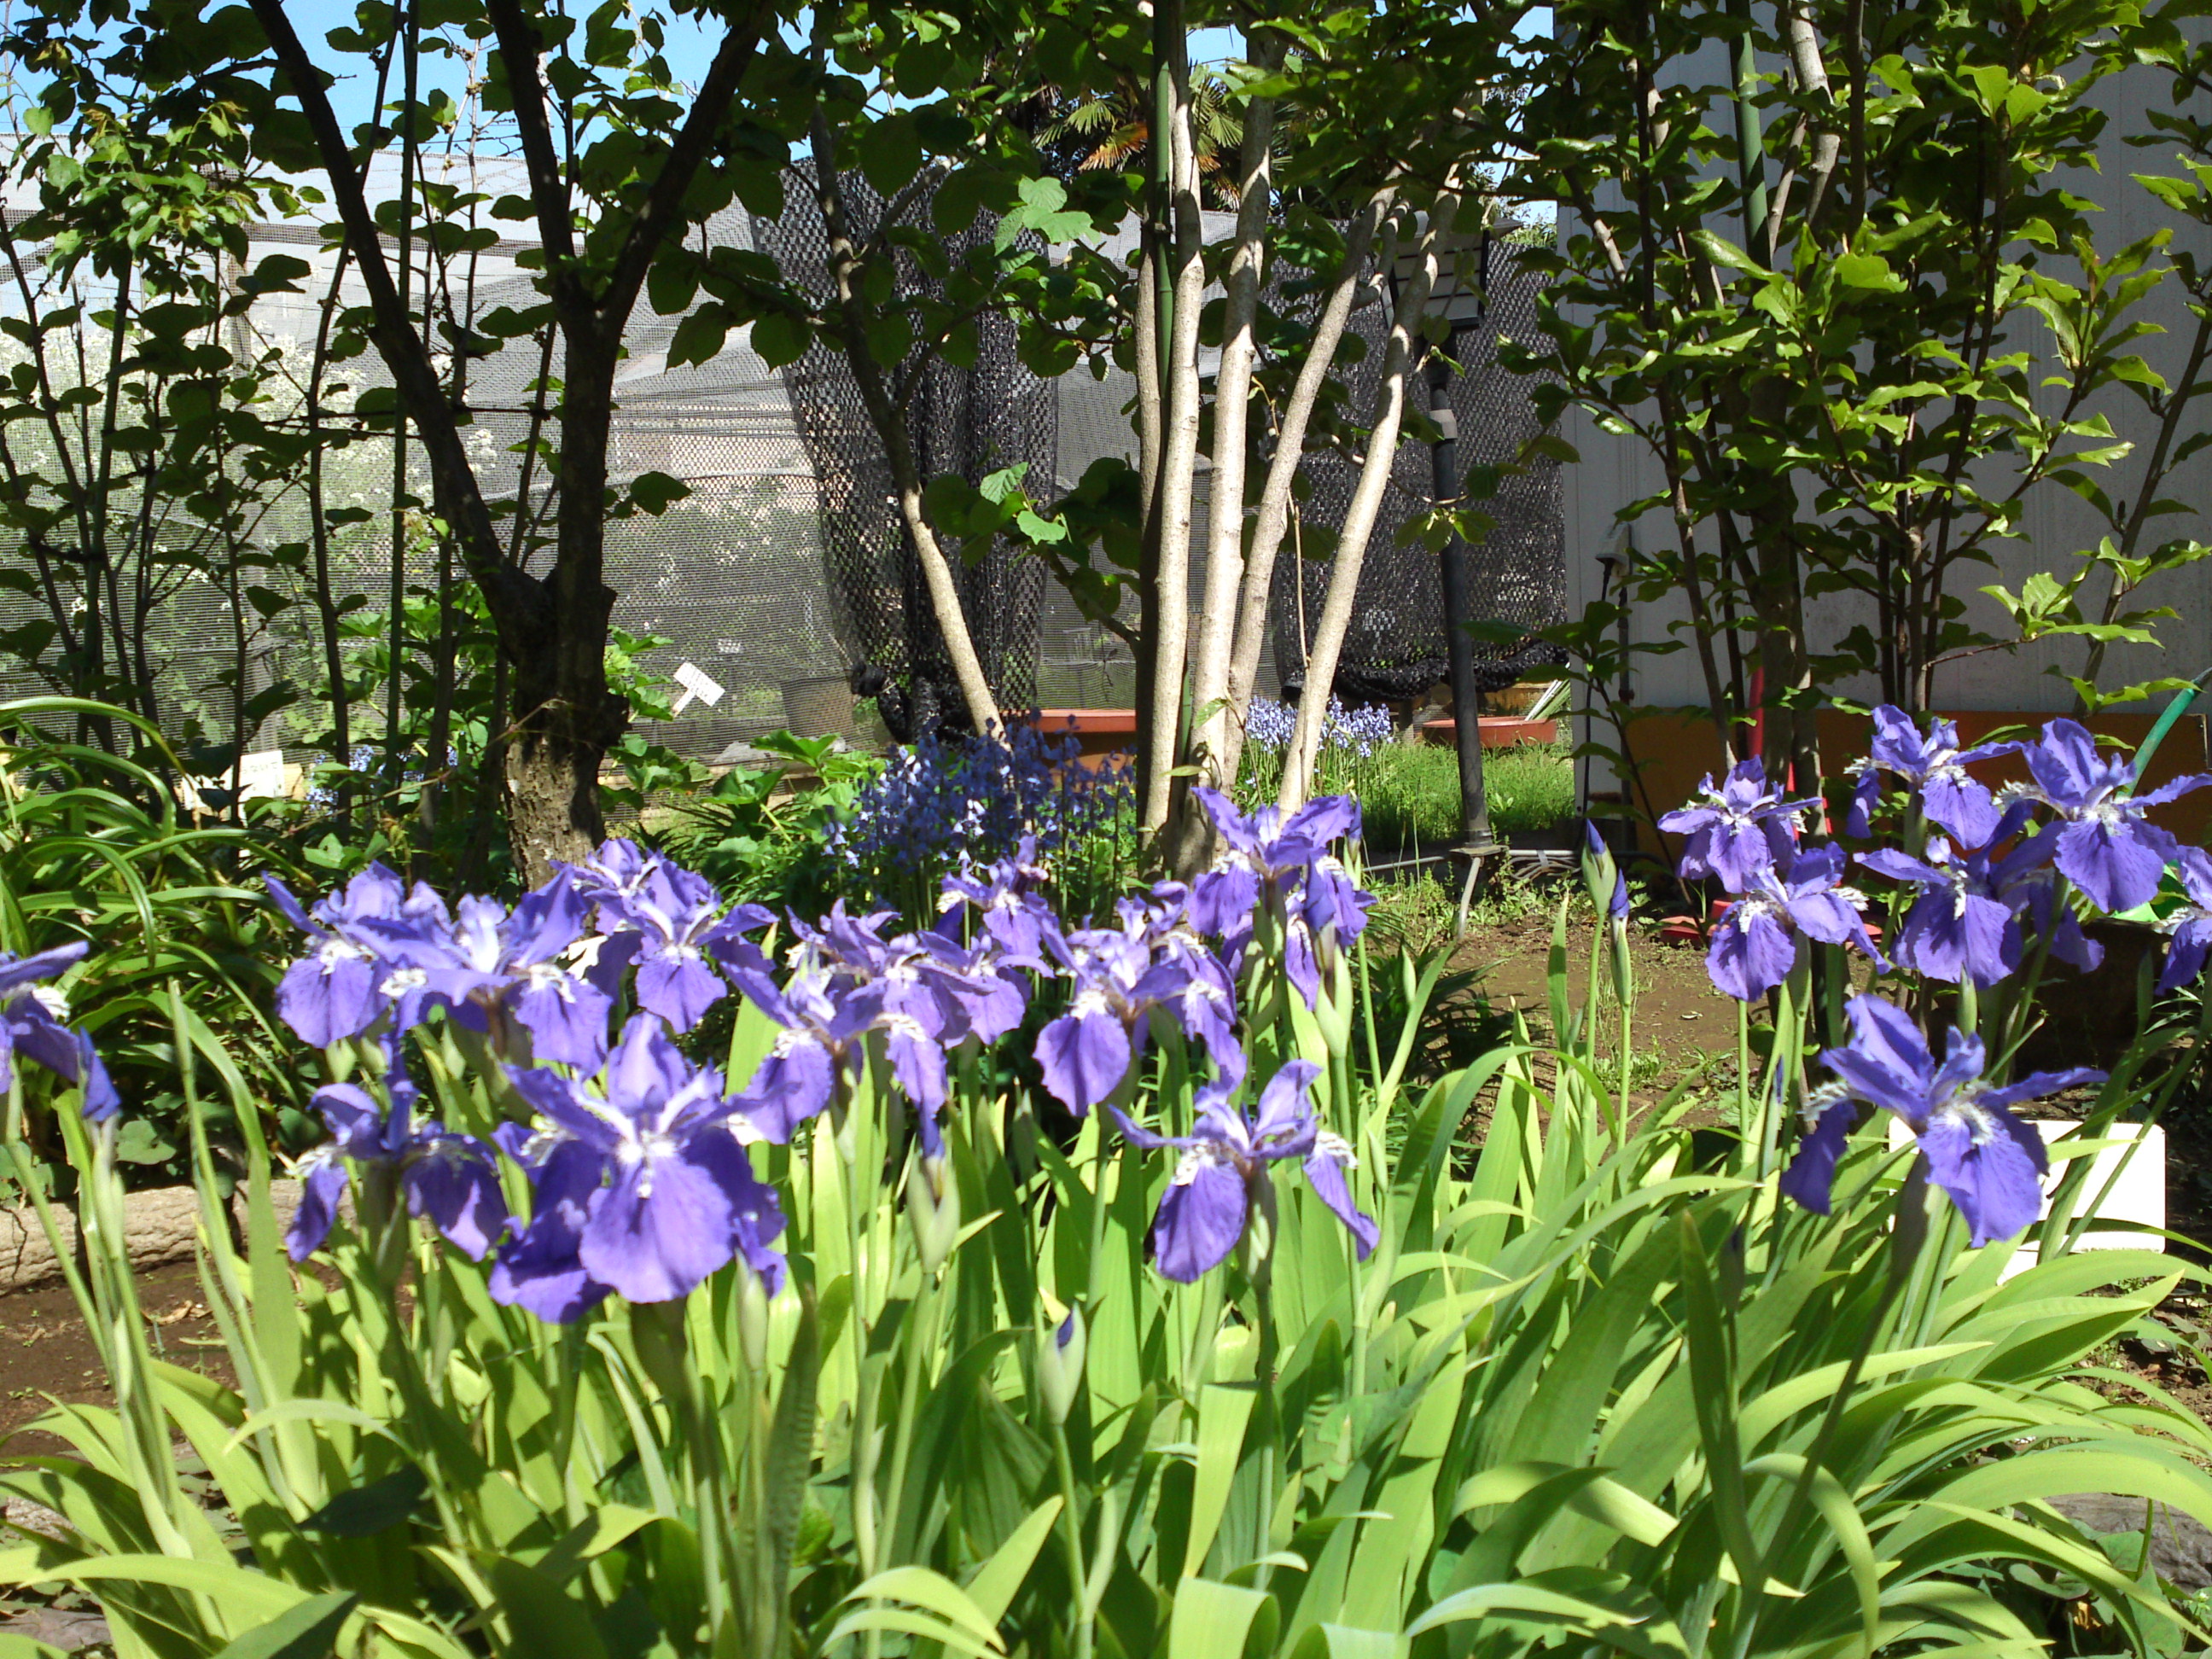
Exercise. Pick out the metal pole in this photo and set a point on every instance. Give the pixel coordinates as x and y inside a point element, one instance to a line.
<point>1477,843</point>
<point>1459,611</point>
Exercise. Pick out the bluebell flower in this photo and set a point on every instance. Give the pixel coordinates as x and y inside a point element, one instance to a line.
<point>1755,944</point>
<point>34,1024</point>
<point>2107,849</point>
<point>1969,1143</point>
<point>1225,1170</point>
<point>1935,766</point>
<point>450,1180</point>
<point>661,1194</point>
<point>1742,830</point>
<point>941,802</point>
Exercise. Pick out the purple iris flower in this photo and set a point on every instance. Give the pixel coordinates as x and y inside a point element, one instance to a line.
<point>2107,849</point>
<point>1742,829</point>
<point>1277,881</point>
<point>1087,1051</point>
<point>449,1180</point>
<point>1154,959</point>
<point>34,1022</point>
<point>1755,944</point>
<point>924,993</point>
<point>676,914</point>
<point>2192,926</point>
<point>1989,1162</point>
<point>1966,920</point>
<point>1935,766</point>
<point>1008,897</point>
<point>1225,1170</point>
<point>497,971</point>
<point>333,993</point>
<point>662,1193</point>
<point>1262,857</point>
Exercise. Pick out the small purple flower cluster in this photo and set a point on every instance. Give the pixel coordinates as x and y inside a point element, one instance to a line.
<point>939,802</point>
<point>1353,733</point>
<point>1990,876</point>
<point>640,1182</point>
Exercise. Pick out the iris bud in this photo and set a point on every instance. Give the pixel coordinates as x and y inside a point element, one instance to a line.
<point>1333,1009</point>
<point>1060,1366</point>
<point>752,1317</point>
<point>933,1206</point>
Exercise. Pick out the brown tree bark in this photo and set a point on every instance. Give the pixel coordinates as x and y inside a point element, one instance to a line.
<point>552,630</point>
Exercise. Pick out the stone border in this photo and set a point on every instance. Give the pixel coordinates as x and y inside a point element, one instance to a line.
<point>160,1225</point>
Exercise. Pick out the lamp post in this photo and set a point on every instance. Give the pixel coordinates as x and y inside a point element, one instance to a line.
<point>1459,303</point>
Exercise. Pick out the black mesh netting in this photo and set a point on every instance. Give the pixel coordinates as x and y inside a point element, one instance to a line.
<point>1394,647</point>
<point>968,422</point>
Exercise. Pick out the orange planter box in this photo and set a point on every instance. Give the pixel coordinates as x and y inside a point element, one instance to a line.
<point>1675,748</point>
<point>1498,731</point>
<point>1099,732</point>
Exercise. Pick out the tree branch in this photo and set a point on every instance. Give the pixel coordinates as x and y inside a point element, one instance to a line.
<point>518,49</point>
<point>663,201</point>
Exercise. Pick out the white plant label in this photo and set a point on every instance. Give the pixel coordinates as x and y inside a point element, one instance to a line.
<point>696,684</point>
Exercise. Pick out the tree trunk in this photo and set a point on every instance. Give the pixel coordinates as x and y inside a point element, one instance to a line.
<point>1359,524</point>
<point>1212,715</point>
<point>1273,521</point>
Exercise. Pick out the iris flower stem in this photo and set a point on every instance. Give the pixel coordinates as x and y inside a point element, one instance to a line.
<point>2020,1003</point>
<point>919,1336</point>
<point>1801,1495</point>
<point>864,1411</point>
<point>1744,1126</point>
<point>1071,1530</point>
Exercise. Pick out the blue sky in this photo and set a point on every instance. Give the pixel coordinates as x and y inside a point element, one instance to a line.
<point>690,49</point>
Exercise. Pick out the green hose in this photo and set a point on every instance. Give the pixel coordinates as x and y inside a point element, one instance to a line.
<point>2168,718</point>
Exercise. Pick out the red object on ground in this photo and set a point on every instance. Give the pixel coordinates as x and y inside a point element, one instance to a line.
<point>1682,930</point>
<point>1498,731</point>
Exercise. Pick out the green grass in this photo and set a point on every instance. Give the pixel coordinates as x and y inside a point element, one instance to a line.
<point>1411,795</point>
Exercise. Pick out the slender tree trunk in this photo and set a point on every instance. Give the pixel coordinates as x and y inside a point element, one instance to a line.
<point>1212,716</point>
<point>1359,524</point>
<point>1277,509</point>
<point>1179,457</point>
<point>889,419</point>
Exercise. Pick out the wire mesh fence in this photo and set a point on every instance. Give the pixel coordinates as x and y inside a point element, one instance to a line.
<point>784,575</point>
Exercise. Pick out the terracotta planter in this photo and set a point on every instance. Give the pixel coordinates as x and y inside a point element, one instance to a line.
<point>1498,731</point>
<point>1099,732</point>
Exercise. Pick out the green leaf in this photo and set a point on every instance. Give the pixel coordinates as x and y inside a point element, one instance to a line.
<point>309,1630</point>
<point>934,1592</point>
<point>890,152</point>
<point>655,492</point>
<point>545,1623</point>
<point>1223,1413</point>
<point>779,338</point>
<point>377,1507</point>
<point>1211,1620</point>
<point>993,1587</point>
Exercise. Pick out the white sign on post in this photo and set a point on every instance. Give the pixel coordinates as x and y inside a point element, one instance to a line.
<point>261,776</point>
<point>695,683</point>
